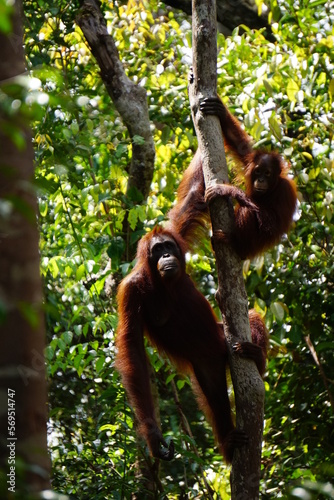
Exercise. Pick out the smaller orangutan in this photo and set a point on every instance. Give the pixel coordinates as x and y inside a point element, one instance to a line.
<point>264,211</point>
<point>159,300</point>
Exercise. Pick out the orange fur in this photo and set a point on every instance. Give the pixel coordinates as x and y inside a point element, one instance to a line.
<point>260,221</point>
<point>180,322</point>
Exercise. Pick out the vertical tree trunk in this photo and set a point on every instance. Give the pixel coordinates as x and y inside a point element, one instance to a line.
<point>23,410</point>
<point>232,297</point>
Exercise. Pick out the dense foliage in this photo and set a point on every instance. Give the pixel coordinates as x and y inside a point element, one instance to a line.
<point>283,93</point>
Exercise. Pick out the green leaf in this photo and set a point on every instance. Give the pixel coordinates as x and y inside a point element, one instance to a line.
<point>100,364</point>
<point>331,88</point>
<point>180,384</point>
<point>133,218</point>
<point>275,128</point>
<point>80,272</point>
<point>115,251</point>
<point>295,334</point>
<point>277,308</point>
<point>268,87</point>
<point>77,361</point>
<point>165,134</point>
<point>67,337</point>
<point>68,271</point>
<point>53,267</point>
<point>43,208</point>
<point>316,3</point>
<point>61,344</point>
<point>292,89</point>
<point>49,352</point>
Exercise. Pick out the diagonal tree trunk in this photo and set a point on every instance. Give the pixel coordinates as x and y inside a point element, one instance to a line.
<point>129,99</point>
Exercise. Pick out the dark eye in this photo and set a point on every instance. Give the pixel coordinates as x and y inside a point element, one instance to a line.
<point>157,248</point>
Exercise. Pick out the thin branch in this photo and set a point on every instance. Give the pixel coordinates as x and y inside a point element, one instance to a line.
<point>321,369</point>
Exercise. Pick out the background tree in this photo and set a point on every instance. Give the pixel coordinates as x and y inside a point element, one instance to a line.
<point>23,449</point>
<point>283,94</point>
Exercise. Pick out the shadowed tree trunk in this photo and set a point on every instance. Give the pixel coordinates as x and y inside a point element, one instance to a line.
<point>23,409</point>
<point>231,14</point>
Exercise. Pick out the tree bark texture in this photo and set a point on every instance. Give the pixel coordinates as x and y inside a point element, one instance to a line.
<point>23,408</point>
<point>231,295</point>
<point>130,99</point>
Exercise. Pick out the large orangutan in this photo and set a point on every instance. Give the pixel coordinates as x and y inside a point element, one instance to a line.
<point>158,299</point>
<point>263,213</point>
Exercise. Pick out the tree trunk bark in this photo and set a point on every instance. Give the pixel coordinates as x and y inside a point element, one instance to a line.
<point>22,368</point>
<point>232,297</point>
